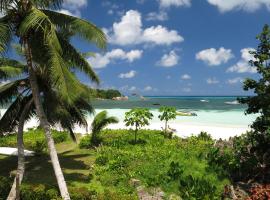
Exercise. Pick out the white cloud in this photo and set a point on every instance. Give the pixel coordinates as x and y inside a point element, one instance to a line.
<point>185,77</point>
<point>157,16</point>
<point>72,7</point>
<point>132,88</point>
<point>129,74</point>
<point>101,61</point>
<point>148,88</point>
<point>243,65</point>
<point>129,31</point>
<point>212,81</point>
<point>235,80</point>
<point>161,35</point>
<point>176,3</point>
<point>214,57</point>
<point>246,5</point>
<point>169,60</point>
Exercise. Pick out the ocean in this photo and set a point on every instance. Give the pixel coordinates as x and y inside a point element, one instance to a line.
<point>210,110</point>
<point>220,116</point>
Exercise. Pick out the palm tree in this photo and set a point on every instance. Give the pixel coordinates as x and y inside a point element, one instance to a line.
<point>22,108</point>
<point>36,29</point>
<point>100,121</point>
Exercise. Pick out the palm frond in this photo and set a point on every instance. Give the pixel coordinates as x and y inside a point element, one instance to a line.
<point>54,4</point>
<point>11,68</point>
<point>101,120</point>
<point>77,60</point>
<point>4,4</point>
<point>81,27</point>
<point>65,82</point>
<point>10,119</point>
<point>10,90</point>
<point>5,36</point>
<point>39,22</point>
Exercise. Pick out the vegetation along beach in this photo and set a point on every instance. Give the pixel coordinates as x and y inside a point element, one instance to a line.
<point>134,100</point>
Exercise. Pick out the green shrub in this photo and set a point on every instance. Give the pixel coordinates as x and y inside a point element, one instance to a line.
<point>5,185</point>
<point>85,142</point>
<point>157,162</point>
<point>198,188</point>
<point>34,140</point>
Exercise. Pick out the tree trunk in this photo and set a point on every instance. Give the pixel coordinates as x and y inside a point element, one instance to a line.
<point>15,189</point>
<point>45,124</point>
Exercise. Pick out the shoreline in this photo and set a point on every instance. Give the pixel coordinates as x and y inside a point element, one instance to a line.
<point>219,125</point>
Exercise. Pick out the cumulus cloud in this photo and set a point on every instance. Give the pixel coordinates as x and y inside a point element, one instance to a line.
<point>130,31</point>
<point>214,57</point>
<point>169,60</point>
<point>157,16</point>
<point>235,80</point>
<point>246,5</point>
<point>72,7</point>
<point>212,81</point>
<point>129,74</point>
<point>176,3</point>
<point>101,61</point>
<point>243,65</point>
<point>148,88</point>
<point>185,77</point>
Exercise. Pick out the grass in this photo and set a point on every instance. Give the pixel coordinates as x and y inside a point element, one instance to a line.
<point>111,166</point>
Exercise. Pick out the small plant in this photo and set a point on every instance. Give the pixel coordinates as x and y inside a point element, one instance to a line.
<point>100,121</point>
<point>197,188</point>
<point>167,113</point>
<point>138,117</point>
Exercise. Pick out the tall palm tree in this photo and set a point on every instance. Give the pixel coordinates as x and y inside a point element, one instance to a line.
<point>22,108</point>
<point>100,121</point>
<point>36,29</point>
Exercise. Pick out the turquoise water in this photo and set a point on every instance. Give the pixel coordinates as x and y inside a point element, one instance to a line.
<point>183,103</point>
<point>213,112</point>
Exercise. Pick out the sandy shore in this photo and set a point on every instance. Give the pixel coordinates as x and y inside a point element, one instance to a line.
<point>186,130</point>
<point>182,130</point>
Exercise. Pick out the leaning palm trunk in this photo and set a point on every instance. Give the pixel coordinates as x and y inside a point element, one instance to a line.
<point>15,189</point>
<point>45,124</point>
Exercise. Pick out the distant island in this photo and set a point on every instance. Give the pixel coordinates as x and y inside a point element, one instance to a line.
<point>106,94</point>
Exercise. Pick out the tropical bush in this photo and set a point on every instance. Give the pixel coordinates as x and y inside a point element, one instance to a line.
<point>5,184</point>
<point>100,121</point>
<point>138,117</point>
<point>176,166</point>
<point>34,139</point>
<point>167,113</point>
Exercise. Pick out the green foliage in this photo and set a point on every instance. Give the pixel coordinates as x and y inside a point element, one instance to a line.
<point>198,188</point>
<point>107,94</point>
<point>204,136</point>
<point>177,166</point>
<point>34,139</point>
<point>242,158</point>
<point>167,113</point>
<point>254,146</point>
<point>100,121</point>
<point>5,184</point>
<point>138,117</point>
<point>85,142</point>
<point>261,87</point>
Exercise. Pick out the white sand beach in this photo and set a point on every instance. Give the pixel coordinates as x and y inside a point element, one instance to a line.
<point>215,123</point>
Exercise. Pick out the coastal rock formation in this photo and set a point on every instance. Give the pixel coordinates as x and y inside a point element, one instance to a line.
<point>125,98</point>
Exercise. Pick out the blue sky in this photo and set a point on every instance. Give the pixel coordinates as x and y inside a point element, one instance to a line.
<point>174,47</point>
